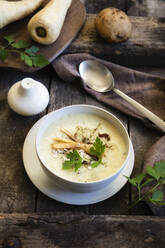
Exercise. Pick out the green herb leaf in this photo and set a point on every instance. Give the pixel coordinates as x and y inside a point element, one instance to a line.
<point>158,171</point>
<point>67,164</point>
<point>32,50</point>
<point>22,55</point>
<point>139,178</point>
<point>28,54</point>
<point>98,148</point>
<point>3,54</point>
<point>132,181</point>
<point>163,181</point>
<point>157,196</point>
<point>95,164</point>
<point>136,181</point>
<point>9,38</point>
<point>146,182</point>
<point>20,44</point>
<point>160,168</point>
<point>27,59</point>
<point>75,161</point>
<point>78,164</point>
<point>39,61</point>
<point>151,194</point>
<point>152,172</point>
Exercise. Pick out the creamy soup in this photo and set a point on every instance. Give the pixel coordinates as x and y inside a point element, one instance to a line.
<point>85,128</point>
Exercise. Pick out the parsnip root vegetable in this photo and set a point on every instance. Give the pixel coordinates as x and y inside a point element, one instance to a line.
<point>14,11</point>
<point>60,140</point>
<point>45,26</point>
<point>71,145</point>
<point>66,132</point>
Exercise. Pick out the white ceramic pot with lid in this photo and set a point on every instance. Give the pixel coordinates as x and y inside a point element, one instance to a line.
<point>28,97</point>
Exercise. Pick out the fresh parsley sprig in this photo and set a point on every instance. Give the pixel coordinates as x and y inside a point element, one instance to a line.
<point>75,160</point>
<point>98,148</point>
<point>28,53</point>
<point>96,163</point>
<point>156,175</point>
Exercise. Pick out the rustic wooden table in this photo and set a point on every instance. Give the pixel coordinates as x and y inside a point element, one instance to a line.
<point>31,218</point>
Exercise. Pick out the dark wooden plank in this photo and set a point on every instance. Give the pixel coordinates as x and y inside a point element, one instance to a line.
<point>145,47</point>
<point>143,138</point>
<point>48,230</point>
<point>146,7</point>
<point>63,94</point>
<point>93,6</point>
<point>17,193</point>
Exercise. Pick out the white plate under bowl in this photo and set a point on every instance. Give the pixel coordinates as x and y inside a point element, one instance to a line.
<point>49,187</point>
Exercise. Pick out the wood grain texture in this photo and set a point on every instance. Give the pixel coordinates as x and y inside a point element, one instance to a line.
<point>73,22</point>
<point>48,230</point>
<point>17,194</point>
<point>145,47</point>
<point>94,6</point>
<point>146,7</point>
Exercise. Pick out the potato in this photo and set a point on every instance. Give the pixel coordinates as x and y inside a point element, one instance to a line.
<point>113,25</point>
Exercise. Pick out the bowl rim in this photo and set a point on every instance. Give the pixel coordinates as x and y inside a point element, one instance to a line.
<point>92,107</point>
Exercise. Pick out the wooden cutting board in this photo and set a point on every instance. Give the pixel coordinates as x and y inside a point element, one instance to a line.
<point>74,20</point>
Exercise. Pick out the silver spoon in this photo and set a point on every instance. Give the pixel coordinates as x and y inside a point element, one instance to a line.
<point>99,78</point>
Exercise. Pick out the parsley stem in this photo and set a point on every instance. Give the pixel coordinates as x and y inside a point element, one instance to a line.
<point>145,195</point>
<point>151,190</point>
<point>10,50</point>
<point>27,52</point>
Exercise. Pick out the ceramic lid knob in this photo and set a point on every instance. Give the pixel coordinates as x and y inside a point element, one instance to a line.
<point>28,97</point>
